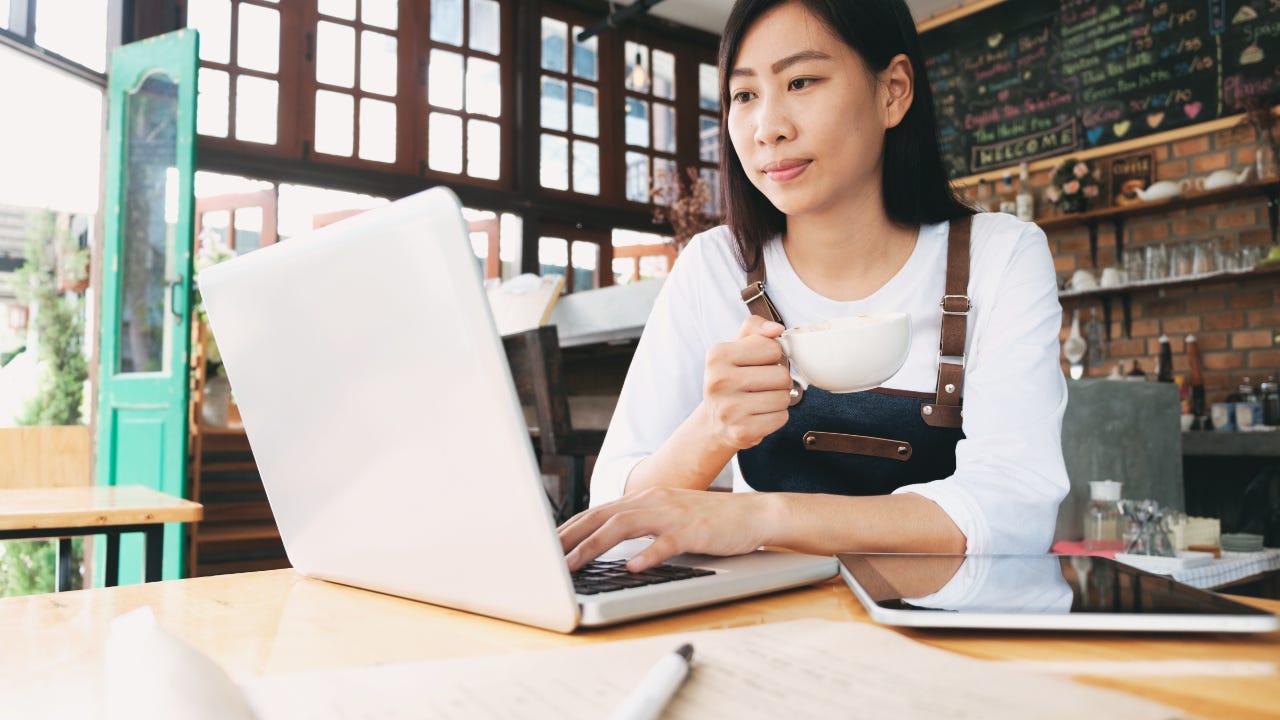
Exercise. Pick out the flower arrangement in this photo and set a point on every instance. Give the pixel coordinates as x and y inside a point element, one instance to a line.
<point>686,205</point>
<point>1074,185</point>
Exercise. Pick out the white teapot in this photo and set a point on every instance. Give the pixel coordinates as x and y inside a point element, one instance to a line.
<point>1222,178</point>
<point>1163,190</point>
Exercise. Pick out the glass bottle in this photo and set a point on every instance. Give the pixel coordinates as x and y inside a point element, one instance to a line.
<point>1008,199</point>
<point>1248,407</point>
<point>1136,372</point>
<point>1196,381</point>
<point>1025,201</point>
<point>1104,524</point>
<point>1093,339</point>
<point>1164,365</point>
<point>1271,403</point>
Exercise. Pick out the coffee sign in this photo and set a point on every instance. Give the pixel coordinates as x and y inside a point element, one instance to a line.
<point>1127,175</point>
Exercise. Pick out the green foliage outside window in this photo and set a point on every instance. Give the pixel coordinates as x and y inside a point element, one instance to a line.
<point>29,566</point>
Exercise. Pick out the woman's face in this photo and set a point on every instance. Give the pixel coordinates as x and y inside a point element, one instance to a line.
<point>806,118</point>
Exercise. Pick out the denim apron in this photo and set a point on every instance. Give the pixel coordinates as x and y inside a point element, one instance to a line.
<point>876,441</point>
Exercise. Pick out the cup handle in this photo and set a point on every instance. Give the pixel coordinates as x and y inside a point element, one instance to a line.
<point>796,375</point>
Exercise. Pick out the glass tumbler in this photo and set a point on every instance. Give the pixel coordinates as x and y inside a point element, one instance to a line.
<point>1204,260</point>
<point>1157,262</point>
<point>1135,265</point>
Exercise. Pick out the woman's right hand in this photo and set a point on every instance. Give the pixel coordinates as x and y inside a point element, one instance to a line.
<point>747,385</point>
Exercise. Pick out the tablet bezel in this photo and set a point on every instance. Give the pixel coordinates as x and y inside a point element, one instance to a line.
<point>1253,620</point>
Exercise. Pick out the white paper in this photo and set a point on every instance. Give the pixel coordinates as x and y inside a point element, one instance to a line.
<point>791,670</point>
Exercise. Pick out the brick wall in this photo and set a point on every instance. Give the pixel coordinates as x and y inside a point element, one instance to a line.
<point>1236,320</point>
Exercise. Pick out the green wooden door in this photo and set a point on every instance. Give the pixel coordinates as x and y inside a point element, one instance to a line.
<point>146,284</point>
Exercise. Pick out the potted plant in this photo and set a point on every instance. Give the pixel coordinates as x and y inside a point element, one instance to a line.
<point>215,403</point>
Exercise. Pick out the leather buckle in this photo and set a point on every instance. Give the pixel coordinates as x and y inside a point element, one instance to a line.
<point>967,304</point>
<point>759,293</point>
<point>959,357</point>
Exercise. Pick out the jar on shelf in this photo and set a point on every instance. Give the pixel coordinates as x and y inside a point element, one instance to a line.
<point>1271,402</point>
<point>1104,523</point>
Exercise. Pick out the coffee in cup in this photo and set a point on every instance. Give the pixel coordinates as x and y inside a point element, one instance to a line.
<point>848,354</point>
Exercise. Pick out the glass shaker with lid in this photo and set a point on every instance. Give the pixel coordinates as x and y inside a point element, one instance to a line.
<point>1104,523</point>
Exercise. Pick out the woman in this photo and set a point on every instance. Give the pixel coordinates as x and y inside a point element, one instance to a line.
<point>838,204</point>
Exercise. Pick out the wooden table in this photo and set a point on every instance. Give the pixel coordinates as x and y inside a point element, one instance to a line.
<point>63,512</point>
<point>277,621</point>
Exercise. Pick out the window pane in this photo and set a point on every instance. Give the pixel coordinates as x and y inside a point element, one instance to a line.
<point>381,13</point>
<point>377,130</point>
<point>586,167</point>
<point>553,256</point>
<point>259,42</point>
<point>4,14</point>
<point>212,104</point>
<point>584,55</point>
<point>345,9</point>
<point>146,257</point>
<point>664,181</point>
<point>335,54</point>
<point>248,229</point>
<point>256,103</point>
<point>664,74</point>
<point>484,150</point>
<point>486,26</point>
<point>444,141</point>
<point>708,87</point>
<point>586,258</point>
<point>378,63</point>
<point>586,116</point>
<point>708,139</point>
<point>554,110</point>
<point>446,21</point>
<point>637,73</point>
<point>444,80</point>
<point>75,29</point>
<point>664,127</point>
<point>555,162</point>
<point>712,179</point>
<point>637,122</point>
<point>211,17</point>
<point>335,121</point>
<point>638,177</point>
<point>484,87</point>
<point>554,42</point>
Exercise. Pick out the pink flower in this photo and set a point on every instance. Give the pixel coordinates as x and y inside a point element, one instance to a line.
<point>1091,191</point>
<point>1072,187</point>
<point>1052,195</point>
<point>1080,170</point>
<point>1097,174</point>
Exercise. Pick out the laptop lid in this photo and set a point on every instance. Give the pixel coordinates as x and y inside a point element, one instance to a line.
<point>1037,592</point>
<point>377,399</point>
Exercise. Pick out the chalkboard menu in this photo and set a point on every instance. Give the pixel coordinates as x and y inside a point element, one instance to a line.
<point>1027,79</point>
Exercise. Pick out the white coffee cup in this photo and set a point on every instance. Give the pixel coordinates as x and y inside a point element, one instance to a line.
<point>848,354</point>
<point>1083,280</point>
<point>1111,277</point>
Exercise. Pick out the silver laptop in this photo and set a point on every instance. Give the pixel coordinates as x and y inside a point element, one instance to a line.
<point>376,395</point>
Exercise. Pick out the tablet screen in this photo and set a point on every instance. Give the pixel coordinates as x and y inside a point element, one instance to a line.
<point>1014,590</point>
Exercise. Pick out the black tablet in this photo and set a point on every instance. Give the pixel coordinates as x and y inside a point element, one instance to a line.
<point>1037,592</point>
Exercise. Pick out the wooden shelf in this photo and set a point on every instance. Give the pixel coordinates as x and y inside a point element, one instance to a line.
<point>1190,280</point>
<point>1231,444</point>
<point>1268,189</point>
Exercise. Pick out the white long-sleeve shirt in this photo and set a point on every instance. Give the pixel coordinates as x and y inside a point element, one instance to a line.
<point>1009,476</point>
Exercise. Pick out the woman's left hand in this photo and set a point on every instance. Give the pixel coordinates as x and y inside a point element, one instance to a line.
<point>679,520</point>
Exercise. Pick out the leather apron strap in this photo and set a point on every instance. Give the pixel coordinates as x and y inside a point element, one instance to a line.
<point>955,304</point>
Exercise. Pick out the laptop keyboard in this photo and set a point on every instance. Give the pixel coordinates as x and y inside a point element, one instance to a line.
<point>609,575</point>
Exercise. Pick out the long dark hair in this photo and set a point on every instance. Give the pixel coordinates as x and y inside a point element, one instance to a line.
<point>915,186</point>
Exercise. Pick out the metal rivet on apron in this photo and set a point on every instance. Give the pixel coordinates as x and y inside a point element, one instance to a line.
<point>795,393</point>
<point>950,388</point>
<point>902,449</point>
<point>928,410</point>
<point>810,440</point>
